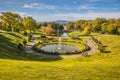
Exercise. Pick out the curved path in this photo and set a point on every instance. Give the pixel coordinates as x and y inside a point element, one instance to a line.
<point>90,43</point>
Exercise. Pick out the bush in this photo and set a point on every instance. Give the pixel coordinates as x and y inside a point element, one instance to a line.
<point>25,33</point>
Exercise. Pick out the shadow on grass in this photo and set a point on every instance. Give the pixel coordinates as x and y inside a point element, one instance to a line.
<point>13,34</point>
<point>106,51</point>
<point>9,50</point>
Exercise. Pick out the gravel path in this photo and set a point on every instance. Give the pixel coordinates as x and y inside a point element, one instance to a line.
<point>90,43</point>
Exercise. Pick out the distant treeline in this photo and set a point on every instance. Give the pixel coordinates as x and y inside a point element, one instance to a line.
<point>14,22</point>
<point>102,25</point>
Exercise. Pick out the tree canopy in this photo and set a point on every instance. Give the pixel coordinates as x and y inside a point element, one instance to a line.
<point>101,25</point>
<point>14,22</point>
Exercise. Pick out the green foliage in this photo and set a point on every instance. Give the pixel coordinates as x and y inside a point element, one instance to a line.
<point>103,28</point>
<point>110,28</point>
<point>118,30</point>
<point>98,25</point>
<point>11,21</point>
<point>29,23</point>
<point>70,26</point>
<point>25,33</point>
<point>76,33</point>
<point>55,26</point>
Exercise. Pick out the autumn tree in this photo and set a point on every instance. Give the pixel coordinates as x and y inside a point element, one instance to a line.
<point>48,29</point>
<point>42,28</point>
<point>86,30</point>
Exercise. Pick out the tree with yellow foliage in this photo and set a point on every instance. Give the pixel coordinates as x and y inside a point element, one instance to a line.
<point>87,30</point>
<point>42,28</point>
<point>48,29</point>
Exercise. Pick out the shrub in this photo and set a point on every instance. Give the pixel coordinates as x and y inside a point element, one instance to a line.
<point>25,33</point>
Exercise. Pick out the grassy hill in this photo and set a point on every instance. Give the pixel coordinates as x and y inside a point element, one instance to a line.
<point>16,65</point>
<point>8,46</point>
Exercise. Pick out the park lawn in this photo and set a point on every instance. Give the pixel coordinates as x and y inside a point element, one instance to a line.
<point>76,33</point>
<point>20,66</point>
<point>79,33</point>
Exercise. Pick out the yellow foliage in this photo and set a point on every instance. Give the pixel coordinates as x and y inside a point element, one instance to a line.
<point>48,29</point>
<point>42,28</point>
<point>86,30</point>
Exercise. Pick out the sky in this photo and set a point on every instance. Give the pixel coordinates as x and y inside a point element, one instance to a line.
<point>71,10</point>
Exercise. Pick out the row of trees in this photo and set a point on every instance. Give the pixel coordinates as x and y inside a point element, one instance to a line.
<point>47,29</point>
<point>51,27</point>
<point>14,22</point>
<point>103,25</point>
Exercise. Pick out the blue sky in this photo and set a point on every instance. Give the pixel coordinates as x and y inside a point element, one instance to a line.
<point>51,10</point>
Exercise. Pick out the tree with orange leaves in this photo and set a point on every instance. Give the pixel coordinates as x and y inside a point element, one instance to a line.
<point>48,29</point>
<point>86,30</point>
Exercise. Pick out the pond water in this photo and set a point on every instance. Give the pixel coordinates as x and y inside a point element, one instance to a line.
<point>63,49</point>
<point>64,34</point>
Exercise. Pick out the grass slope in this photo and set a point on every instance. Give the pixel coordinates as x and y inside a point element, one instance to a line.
<point>8,47</point>
<point>8,44</point>
<point>20,66</point>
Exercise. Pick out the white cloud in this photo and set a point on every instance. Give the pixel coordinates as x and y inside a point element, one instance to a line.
<point>90,15</point>
<point>22,14</point>
<point>78,16</point>
<point>92,7</point>
<point>90,11</point>
<point>71,16</point>
<point>28,6</point>
<point>86,6</point>
<point>39,6</point>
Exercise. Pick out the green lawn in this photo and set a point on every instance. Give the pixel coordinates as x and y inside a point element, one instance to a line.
<point>16,65</point>
<point>79,33</point>
<point>76,33</point>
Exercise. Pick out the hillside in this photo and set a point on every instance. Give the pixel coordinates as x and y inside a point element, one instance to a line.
<point>61,21</point>
<point>8,46</point>
<point>16,65</point>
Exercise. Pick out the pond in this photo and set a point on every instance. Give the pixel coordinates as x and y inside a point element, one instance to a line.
<point>52,48</point>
